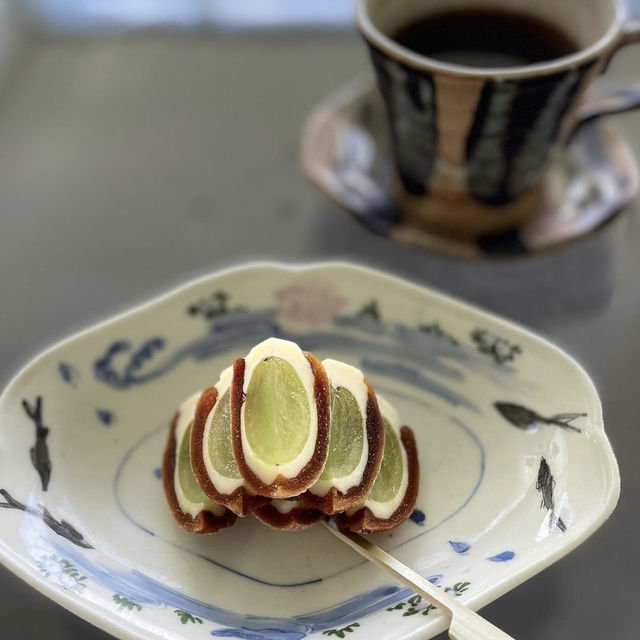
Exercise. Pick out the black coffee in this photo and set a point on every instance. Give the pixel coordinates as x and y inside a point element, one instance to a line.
<point>485,38</point>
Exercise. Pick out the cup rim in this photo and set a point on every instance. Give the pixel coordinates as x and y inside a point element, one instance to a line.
<point>392,48</point>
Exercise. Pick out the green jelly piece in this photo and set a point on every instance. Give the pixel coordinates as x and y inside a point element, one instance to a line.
<point>389,479</point>
<point>277,419</point>
<point>219,444</point>
<point>346,438</point>
<point>190,487</point>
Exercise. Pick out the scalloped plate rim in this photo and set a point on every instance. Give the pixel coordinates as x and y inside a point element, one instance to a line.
<point>117,625</point>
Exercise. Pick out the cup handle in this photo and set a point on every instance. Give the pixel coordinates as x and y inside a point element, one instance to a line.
<point>616,100</point>
<point>630,31</point>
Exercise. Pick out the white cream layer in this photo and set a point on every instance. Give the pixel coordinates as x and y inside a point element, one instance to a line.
<point>285,506</point>
<point>292,353</point>
<point>385,510</point>
<point>224,484</point>
<point>341,374</point>
<point>186,413</point>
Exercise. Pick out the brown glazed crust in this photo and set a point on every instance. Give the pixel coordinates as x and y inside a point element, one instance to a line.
<point>240,501</point>
<point>364,521</point>
<point>298,518</point>
<point>205,521</point>
<point>334,500</point>
<point>282,487</point>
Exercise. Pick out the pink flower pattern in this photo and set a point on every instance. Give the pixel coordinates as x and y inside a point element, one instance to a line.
<point>308,303</point>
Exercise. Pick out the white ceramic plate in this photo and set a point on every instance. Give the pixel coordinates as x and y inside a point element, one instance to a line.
<point>504,493</point>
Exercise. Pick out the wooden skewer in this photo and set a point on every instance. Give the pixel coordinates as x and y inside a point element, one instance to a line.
<point>465,624</point>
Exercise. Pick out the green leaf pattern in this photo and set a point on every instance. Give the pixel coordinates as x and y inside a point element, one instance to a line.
<point>340,633</point>
<point>217,304</point>
<point>500,349</point>
<point>124,604</point>
<point>415,604</point>
<point>186,617</point>
<point>370,310</point>
<point>436,330</point>
<point>62,572</point>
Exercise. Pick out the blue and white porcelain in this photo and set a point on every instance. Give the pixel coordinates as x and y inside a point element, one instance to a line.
<point>516,469</point>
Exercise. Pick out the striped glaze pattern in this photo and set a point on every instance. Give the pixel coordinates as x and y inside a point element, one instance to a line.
<point>487,138</point>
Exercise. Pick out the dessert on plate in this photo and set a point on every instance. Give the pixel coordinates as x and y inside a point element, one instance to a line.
<point>191,507</point>
<point>290,440</point>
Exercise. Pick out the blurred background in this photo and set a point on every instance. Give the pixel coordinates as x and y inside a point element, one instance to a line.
<point>89,17</point>
<point>38,18</point>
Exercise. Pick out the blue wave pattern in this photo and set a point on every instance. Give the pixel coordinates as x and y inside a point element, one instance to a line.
<point>418,517</point>
<point>262,634</point>
<point>150,593</point>
<point>392,350</point>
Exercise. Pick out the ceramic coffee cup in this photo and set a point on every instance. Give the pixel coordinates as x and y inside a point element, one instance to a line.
<point>471,143</point>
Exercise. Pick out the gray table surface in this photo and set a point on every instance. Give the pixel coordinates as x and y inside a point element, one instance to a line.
<point>131,164</point>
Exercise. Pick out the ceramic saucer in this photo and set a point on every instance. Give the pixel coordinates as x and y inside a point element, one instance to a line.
<point>346,153</point>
